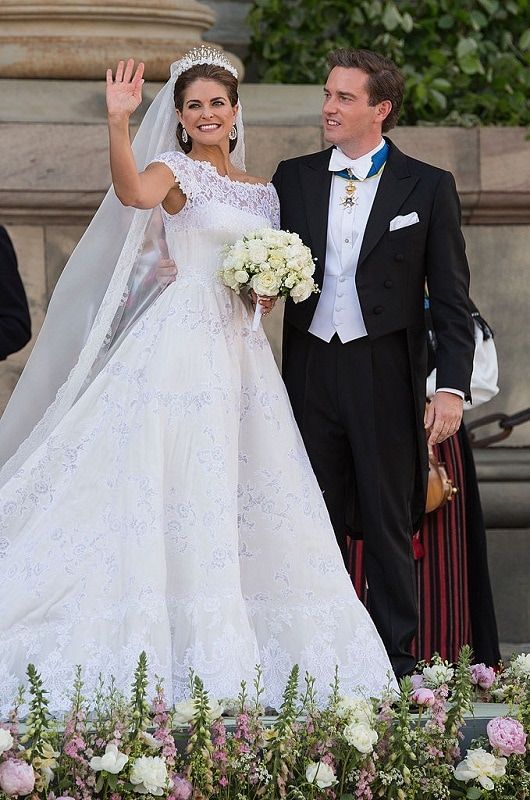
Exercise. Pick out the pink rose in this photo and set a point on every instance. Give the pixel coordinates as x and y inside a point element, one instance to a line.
<point>423,697</point>
<point>182,788</point>
<point>482,676</point>
<point>507,736</point>
<point>417,681</point>
<point>16,777</point>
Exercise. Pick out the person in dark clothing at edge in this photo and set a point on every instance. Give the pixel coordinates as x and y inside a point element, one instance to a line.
<point>15,322</point>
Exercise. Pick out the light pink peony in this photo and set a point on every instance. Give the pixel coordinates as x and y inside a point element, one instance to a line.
<point>182,788</point>
<point>482,676</point>
<point>16,777</point>
<point>423,697</point>
<point>507,736</point>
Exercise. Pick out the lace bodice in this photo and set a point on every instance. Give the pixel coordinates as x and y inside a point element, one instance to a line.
<point>218,212</point>
<point>204,188</point>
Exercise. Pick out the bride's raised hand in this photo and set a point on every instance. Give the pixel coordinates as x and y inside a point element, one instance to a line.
<point>124,92</point>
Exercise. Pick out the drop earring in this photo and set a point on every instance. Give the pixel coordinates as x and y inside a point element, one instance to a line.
<point>233,134</point>
<point>184,135</point>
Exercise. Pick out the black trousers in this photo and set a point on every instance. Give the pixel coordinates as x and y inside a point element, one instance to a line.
<point>354,405</point>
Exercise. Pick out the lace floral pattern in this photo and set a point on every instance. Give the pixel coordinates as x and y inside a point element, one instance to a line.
<point>173,508</point>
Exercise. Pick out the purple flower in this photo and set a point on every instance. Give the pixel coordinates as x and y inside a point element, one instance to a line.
<point>507,736</point>
<point>16,777</point>
<point>482,676</point>
<point>182,788</point>
<point>417,681</point>
<point>423,697</point>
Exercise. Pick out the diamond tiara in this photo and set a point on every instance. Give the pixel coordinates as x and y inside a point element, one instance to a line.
<point>202,55</point>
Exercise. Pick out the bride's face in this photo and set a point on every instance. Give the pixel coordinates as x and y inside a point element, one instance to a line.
<point>206,113</point>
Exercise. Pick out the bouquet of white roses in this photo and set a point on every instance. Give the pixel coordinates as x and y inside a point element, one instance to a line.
<point>272,263</point>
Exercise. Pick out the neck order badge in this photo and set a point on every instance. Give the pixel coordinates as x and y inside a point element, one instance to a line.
<point>378,162</point>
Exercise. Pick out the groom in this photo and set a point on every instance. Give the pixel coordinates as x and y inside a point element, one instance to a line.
<point>380,225</point>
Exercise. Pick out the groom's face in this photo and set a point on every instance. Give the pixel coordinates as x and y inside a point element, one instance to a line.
<point>346,113</point>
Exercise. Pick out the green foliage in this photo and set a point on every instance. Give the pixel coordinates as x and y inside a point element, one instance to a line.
<point>466,62</point>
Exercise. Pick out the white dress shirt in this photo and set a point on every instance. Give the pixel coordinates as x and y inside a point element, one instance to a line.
<point>338,309</point>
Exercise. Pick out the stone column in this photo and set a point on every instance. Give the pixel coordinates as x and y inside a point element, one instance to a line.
<point>78,39</point>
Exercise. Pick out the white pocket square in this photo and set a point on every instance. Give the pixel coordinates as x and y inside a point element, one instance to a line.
<point>403,221</point>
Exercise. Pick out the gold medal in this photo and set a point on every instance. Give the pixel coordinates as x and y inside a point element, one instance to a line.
<point>349,200</point>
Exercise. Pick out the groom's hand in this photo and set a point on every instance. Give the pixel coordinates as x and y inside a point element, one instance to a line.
<point>443,416</point>
<point>166,270</point>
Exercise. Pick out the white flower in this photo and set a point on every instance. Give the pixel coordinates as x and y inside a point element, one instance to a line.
<point>302,290</point>
<point>355,709</point>
<point>228,278</point>
<point>241,275</point>
<point>481,766</point>
<point>437,675</point>
<point>257,251</point>
<point>266,283</point>
<point>6,741</point>
<point>361,736</point>
<point>149,775</point>
<point>520,666</point>
<point>112,761</point>
<point>320,773</point>
<point>150,740</point>
<point>185,711</point>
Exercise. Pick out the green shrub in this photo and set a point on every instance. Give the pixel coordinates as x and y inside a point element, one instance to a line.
<point>466,62</point>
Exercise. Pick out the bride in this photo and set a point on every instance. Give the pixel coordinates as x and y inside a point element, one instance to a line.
<point>156,494</point>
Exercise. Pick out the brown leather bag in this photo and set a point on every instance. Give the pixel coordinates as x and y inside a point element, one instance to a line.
<point>440,489</point>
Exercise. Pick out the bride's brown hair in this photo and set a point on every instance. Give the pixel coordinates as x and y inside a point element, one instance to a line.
<point>206,72</point>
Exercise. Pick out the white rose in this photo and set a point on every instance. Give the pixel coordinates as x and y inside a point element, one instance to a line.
<point>112,761</point>
<point>320,773</point>
<point>361,736</point>
<point>481,766</point>
<point>307,270</point>
<point>437,675</point>
<point>228,276</point>
<point>149,775</point>
<point>257,251</point>
<point>265,283</point>
<point>520,666</point>
<point>185,711</point>
<point>6,741</point>
<point>241,275</point>
<point>301,291</point>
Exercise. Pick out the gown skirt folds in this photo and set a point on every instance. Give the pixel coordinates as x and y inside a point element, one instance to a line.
<point>173,509</point>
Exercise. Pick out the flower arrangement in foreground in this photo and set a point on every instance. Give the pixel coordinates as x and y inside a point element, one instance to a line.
<point>404,747</point>
<point>272,263</point>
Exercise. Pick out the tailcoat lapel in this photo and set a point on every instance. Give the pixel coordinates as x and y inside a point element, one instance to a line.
<point>315,180</point>
<point>394,187</point>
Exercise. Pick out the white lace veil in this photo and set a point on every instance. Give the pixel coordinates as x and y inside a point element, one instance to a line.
<point>108,282</point>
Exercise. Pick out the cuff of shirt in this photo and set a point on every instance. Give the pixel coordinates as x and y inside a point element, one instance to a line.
<point>452,391</point>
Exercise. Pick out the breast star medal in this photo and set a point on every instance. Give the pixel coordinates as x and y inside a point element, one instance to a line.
<point>349,200</point>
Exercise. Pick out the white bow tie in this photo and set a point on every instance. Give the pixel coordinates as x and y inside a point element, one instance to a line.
<point>360,166</point>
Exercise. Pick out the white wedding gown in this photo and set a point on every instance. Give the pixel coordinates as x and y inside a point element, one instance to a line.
<point>173,509</point>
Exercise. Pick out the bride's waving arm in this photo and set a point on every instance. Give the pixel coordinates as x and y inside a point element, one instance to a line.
<point>139,189</point>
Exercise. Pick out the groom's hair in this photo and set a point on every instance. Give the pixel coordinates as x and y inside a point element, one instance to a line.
<point>385,81</point>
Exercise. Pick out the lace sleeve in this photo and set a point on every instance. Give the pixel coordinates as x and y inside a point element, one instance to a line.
<point>182,169</point>
<point>274,207</point>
